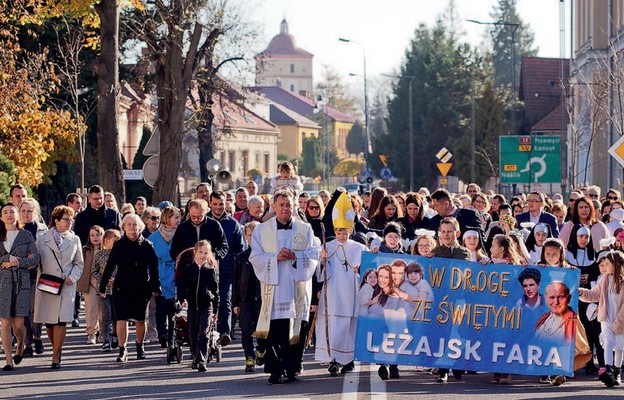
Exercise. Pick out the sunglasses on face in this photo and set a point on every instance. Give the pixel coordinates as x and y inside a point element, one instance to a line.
<point>612,197</point>
<point>155,218</point>
<point>314,208</point>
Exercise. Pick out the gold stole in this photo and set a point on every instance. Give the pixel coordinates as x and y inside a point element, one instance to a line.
<point>268,237</point>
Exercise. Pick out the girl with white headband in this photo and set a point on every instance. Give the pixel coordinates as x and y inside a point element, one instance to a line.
<point>472,241</point>
<point>535,241</point>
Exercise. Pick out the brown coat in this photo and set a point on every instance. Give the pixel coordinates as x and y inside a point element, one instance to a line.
<point>600,294</point>
<point>83,282</point>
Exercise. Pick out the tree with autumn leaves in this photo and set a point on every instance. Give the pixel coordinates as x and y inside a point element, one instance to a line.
<point>33,134</point>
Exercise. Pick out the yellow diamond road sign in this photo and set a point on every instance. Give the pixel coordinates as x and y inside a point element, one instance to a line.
<point>444,155</point>
<point>617,151</point>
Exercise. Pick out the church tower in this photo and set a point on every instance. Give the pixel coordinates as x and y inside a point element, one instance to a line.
<point>285,65</point>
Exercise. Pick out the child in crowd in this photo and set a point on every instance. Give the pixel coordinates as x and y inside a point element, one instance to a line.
<point>198,287</point>
<point>424,243</point>
<point>448,233</point>
<point>246,302</point>
<point>472,241</point>
<point>609,293</point>
<point>287,179</point>
<point>338,303</point>
<point>503,252</point>
<point>553,255</point>
<point>535,241</point>
<point>391,242</point>
<point>108,320</point>
<point>518,243</point>
<point>90,292</point>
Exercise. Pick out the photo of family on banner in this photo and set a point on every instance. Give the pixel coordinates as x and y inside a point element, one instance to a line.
<point>445,313</point>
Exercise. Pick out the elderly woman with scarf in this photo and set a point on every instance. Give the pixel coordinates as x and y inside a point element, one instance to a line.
<point>165,302</point>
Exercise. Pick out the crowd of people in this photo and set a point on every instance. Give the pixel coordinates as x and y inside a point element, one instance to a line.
<point>285,266</point>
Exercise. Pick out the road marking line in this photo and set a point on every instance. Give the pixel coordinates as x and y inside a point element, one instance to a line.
<point>350,384</point>
<point>378,387</point>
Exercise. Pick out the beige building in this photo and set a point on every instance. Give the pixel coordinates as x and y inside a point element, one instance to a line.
<point>284,64</point>
<point>598,39</point>
<point>247,141</point>
<point>293,129</point>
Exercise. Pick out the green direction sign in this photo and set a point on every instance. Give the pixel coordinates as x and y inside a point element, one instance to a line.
<point>530,159</point>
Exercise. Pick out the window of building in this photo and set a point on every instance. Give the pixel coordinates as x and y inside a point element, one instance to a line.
<point>267,166</point>
<point>292,88</point>
<point>292,68</point>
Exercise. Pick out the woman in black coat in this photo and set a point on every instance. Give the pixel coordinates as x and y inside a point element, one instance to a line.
<point>135,283</point>
<point>415,218</point>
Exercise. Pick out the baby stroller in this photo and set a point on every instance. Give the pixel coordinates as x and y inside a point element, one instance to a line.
<point>180,335</point>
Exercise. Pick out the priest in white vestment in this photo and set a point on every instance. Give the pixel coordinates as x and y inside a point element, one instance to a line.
<point>284,256</point>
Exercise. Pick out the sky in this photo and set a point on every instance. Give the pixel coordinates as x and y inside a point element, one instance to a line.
<point>386,27</point>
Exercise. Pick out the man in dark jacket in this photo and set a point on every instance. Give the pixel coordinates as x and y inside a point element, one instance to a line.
<point>236,244</point>
<point>199,226</point>
<point>467,218</point>
<point>96,213</point>
<point>536,213</point>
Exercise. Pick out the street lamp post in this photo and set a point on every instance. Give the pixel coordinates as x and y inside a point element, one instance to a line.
<point>367,144</point>
<point>411,125</point>
<point>513,62</point>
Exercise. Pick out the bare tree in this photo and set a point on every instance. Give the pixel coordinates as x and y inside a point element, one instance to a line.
<point>183,38</point>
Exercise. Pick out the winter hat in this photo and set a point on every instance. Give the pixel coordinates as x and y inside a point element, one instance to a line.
<point>392,227</point>
<point>164,204</point>
<point>617,214</point>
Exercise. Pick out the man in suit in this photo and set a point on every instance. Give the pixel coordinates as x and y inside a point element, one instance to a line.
<point>467,218</point>
<point>536,213</point>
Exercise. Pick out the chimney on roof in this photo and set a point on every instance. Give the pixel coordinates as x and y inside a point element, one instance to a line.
<point>305,93</point>
<point>284,27</point>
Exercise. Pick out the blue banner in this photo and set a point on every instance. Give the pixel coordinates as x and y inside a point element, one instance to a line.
<point>445,313</point>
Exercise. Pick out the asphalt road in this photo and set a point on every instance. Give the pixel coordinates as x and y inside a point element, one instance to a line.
<point>87,373</point>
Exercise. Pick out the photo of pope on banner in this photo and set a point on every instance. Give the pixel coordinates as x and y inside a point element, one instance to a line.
<point>477,318</point>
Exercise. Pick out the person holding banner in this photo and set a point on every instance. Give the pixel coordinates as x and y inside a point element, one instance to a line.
<point>284,255</point>
<point>609,293</point>
<point>338,305</point>
<point>448,233</point>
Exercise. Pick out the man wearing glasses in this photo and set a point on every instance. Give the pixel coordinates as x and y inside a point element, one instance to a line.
<point>593,192</point>
<point>536,213</point>
<point>95,213</point>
